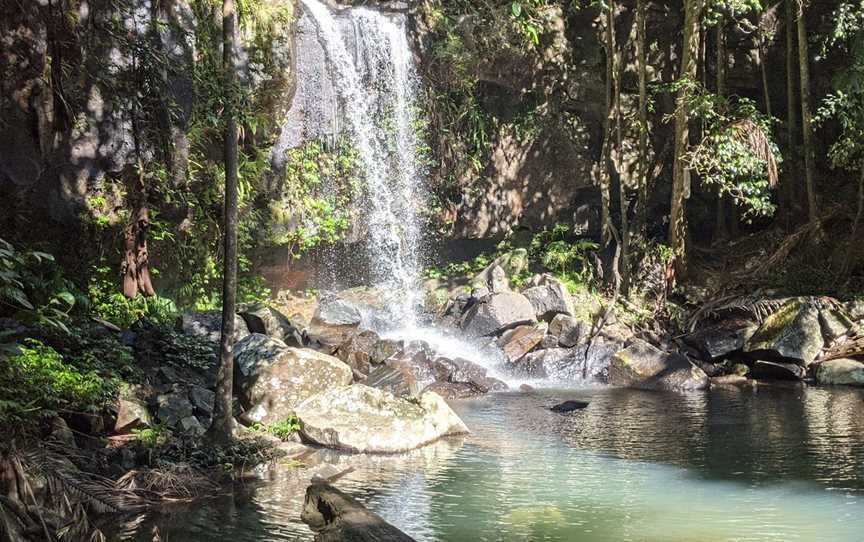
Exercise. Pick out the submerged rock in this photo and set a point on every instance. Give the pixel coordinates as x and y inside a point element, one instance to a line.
<point>716,342</point>
<point>285,377</point>
<point>645,367</point>
<point>359,418</point>
<point>497,313</point>
<point>844,371</point>
<point>336,517</point>
<point>569,406</point>
<point>793,334</point>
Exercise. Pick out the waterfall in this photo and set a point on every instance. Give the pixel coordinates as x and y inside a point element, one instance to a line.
<point>367,63</point>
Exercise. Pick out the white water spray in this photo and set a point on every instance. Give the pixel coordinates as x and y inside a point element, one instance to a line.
<point>376,85</point>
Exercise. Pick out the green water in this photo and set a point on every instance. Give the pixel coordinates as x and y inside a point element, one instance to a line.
<point>775,464</point>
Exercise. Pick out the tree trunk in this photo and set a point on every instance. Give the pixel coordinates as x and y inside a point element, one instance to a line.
<point>136,271</point>
<point>681,176</point>
<point>642,172</point>
<point>720,231</point>
<point>606,159</point>
<point>806,115</point>
<point>619,143</point>
<point>223,426</point>
<point>791,120</point>
<point>766,93</point>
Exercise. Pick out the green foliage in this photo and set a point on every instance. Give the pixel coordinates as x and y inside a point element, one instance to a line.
<point>36,382</point>
<point>32,288</point>
<point>845,104</point>
<point>109,304</point>
<point>737,153</point>
<point>153,437</point>
<point>567,259</point>
<point>285,428</point>
<point>314,204</point>
<point>465,269</point>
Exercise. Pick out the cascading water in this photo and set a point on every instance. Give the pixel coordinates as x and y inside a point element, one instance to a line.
<point>371,67</point>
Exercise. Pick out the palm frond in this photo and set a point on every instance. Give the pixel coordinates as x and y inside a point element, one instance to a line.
<point>753,136</point>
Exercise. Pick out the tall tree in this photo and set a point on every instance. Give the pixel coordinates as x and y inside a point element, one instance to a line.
<point>223,426</point>
<point>720,230</point>
<point>806,111</point>
<point>606,158</point>
<point>642,170</point>
<point>624,261</point>
<point>135,267</point>
<point>791,120</point>
<point>681,175</point>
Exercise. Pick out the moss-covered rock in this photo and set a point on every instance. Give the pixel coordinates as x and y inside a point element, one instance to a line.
<point>646,367</point>
<point>793,334</point>
<point>847,372</point>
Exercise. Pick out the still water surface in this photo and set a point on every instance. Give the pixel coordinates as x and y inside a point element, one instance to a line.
<point>777,464</point>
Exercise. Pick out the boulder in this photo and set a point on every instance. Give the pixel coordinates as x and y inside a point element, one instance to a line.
<point>384,349</point>
<point>191,426</point>
<point>493,279</point>
<point>173,407</point>
<point>268,321</point>
<point>357,351</point>
<point>645,367</point>
<point>519,341</point>
<point>455,390</point>
<point>334,516</point>
<point>208,325</point>
<point>131,414</point>
<point>834,324</point>
<point>368,420</point>
<point>332,310</point>
<point>256,349</point>
<point>467,372</point>
<point>855,309</point>
<point>203,400</point>
<point>61,434</point>
<point>775,370</point>
<point>497,313</point>
<point>279,383</point>
<point>396,379</point>
<point>549,300</point>
<point>569,331</point>
<point>718,341</point>
<point>844,371</point>
<point>793,334</point>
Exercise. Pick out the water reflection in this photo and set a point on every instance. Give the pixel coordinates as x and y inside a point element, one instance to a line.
<point>774,463</point>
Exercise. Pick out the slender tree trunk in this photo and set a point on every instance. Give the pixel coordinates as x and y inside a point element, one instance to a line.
<point>806,113</point>
<point>605,166</point>
<point>720,231</point>
<point>766,93</point>
<point>624,261</point>
<point>223,426</point>
<point>642,180</point>
<point>135,267</point>
<point>681,176</point>
<point>791,120</point>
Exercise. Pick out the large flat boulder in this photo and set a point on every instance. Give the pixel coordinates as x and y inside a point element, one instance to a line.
<point>359,418</point>
<point>643,366</point>
<point>793,334</point>
<point>842,372</point>
<point>496,313</point>
<point>284,377</point>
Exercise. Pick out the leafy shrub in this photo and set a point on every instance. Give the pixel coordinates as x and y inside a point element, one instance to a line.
<point>32,288</point>
<point>109,304</point>
<point>568,260</point>
<point>285,428</point>
<point>37,382</point>
<point>152,437</point>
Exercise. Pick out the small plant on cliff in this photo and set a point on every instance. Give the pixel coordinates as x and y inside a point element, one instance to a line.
<point>286,428</point>
<point>566,258</point>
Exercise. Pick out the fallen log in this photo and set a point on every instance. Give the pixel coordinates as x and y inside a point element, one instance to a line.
<point>337,517</point>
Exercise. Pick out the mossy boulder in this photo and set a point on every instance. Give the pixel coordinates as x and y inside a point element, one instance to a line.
<point>643,366</point>
<point>363,419</point>
<point>793,334</point>
<point>844,372</point>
